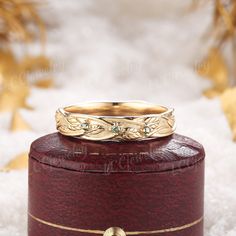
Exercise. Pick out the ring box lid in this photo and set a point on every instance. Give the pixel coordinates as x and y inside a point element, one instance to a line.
<point>156,155</point>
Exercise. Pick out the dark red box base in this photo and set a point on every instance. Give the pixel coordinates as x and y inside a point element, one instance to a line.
<point>80,188</point>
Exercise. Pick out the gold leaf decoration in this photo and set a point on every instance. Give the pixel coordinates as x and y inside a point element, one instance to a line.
<point>74,123</point>
<point>153,122</point>
<point>20,162</point>
<point>69,123</point>
<point>18,123</point>
<point>163,126</point>
<point>215,69</point>
<point>228,101</point>
<point>132,133</point>
<point>95,129</point>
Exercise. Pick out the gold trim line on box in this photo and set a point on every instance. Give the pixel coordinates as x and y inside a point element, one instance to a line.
<point>120,232</point>
<point>115,121</point>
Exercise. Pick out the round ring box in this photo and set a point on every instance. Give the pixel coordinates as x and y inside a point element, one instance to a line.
<point>84,188</point>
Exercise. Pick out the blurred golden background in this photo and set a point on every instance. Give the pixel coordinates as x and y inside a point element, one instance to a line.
<point>181,54</point>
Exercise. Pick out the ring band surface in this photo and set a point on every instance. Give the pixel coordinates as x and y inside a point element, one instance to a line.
<point>115,121</point>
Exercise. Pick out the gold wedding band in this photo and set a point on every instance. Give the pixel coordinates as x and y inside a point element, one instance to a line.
<point>115,121</point>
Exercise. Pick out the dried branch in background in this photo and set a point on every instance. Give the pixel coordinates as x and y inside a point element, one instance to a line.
<point>215,66</point>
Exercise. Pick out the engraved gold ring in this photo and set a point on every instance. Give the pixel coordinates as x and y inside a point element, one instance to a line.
<point>115,121</point>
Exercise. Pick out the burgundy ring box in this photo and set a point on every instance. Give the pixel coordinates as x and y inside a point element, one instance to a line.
<point>82,188</point>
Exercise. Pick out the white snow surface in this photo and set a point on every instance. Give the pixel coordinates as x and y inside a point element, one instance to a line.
<point>127,50</point>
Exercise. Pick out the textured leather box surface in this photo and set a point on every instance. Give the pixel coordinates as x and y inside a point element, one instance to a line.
<point>81,188</point>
